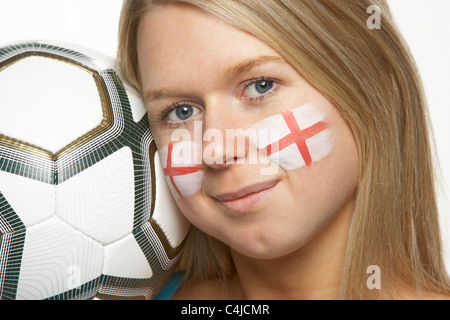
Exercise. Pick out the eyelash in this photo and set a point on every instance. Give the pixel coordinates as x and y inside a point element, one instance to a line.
<point>244,86</point>
<point>260,98</point>
<point>168,110</point>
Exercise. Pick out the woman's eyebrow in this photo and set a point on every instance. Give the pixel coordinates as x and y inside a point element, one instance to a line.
<point>234,70</point>
<point>159,94</point>
<point>251,63</point>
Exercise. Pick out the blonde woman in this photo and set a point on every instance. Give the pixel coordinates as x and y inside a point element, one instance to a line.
<point>330,192</point>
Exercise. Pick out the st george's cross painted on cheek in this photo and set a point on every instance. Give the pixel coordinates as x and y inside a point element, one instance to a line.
<point>301,138</point>
<point>181,167</point>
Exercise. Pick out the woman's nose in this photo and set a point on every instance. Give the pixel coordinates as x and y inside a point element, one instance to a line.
<point>224,148</point>
<point>225,140</point>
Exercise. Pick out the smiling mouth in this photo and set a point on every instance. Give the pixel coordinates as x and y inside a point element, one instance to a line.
<point>247,198</point>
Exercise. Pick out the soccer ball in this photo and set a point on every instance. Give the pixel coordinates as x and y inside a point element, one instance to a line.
<point>84,207</point>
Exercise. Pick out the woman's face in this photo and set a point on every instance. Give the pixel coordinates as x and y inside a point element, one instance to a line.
<point>254,155</point>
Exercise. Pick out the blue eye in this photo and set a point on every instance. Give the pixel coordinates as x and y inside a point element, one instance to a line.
<point>182,113</point>
<point>259,88</point>
<point>263,87</point>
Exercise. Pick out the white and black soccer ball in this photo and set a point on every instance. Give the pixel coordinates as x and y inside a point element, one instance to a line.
<point>84,207</point>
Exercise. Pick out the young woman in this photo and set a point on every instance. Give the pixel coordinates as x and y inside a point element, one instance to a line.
<point>327,191</point>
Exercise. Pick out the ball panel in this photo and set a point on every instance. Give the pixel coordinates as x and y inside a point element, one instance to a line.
<point>33,201</point>
<point>100,201</point>
<point>11,246</point>
<point>143,168</point>
<point>43,97</point>
<point>166,213</point>
<point>12,239</point>
<point>57,258</point>
<point>99,72</point>
<point>160,257</point>
<point>137,105</point>
<point>117,288</point>
<point>85,55</point>
<point>9,220</point>
<point>26,161</point>
<point>162,261</point>
<point>84,292</point>
<point>156,248</point>
<point>125,259</point>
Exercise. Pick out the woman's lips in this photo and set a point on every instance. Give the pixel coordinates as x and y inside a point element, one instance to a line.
<point>247,198</point>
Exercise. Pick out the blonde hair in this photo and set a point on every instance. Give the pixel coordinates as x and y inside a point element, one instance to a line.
<point>371,77</point>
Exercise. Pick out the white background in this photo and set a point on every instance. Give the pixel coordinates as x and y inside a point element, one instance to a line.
<point>93,23</point>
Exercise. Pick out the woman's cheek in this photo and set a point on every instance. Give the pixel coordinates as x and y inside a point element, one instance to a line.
<point>295,138</point>
<point>182,165</point>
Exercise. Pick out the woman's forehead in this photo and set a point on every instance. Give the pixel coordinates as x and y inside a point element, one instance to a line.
<point>184,39</point>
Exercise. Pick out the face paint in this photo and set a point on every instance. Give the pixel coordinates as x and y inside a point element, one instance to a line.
<point>181,167</point>
<point>302,137</point>
<point>292,139</point>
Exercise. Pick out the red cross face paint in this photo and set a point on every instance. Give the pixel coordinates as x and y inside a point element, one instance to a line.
<point>182,168</point>
<point>295,138</point>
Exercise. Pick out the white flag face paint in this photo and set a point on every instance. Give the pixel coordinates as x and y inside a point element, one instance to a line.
<point>303,137</point>
<point>182,167</point>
